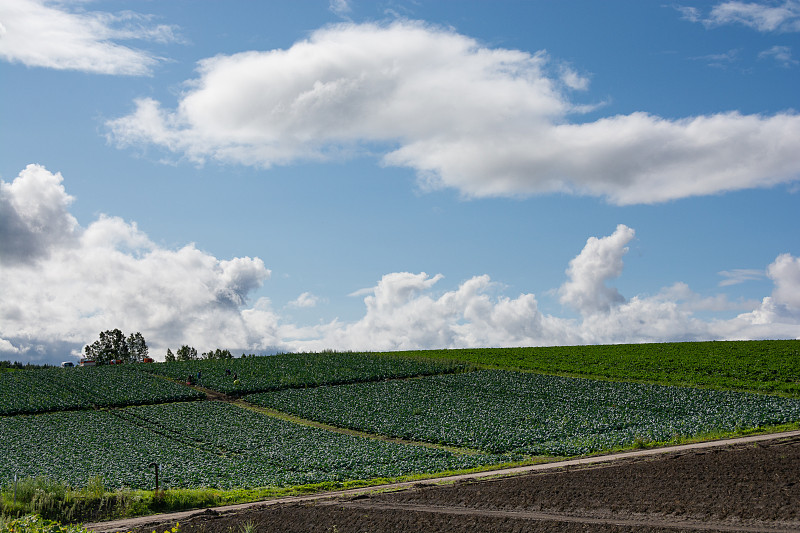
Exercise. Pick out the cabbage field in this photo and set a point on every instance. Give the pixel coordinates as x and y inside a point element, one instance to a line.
<point>452,410</point>
<point>513,412</point>
<point>212,444</point>
<point>63,389</point>
<point>257,374</point>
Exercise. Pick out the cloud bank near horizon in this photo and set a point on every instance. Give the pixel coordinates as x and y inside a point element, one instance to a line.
<point>63,284</point>
<point>486,122</point>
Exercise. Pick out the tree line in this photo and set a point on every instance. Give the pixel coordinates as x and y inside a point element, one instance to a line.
<point>189,353</point>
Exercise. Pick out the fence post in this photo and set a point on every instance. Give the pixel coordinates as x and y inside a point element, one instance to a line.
<point>156,467</point>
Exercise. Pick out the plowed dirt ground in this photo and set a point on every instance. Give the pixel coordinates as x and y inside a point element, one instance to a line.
<point>742,487</point>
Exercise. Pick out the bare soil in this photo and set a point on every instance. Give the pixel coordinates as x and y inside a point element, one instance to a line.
<point>745,487</point>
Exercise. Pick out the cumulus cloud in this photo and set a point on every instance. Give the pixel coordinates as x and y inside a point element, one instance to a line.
<point>38,33</point>
<point>63,283</point>
<point>33,216</point>
<point>403,313</point>
<point>483,121</point>
<point>599,261</point>
<point>71,282</point>
<point>305,300</point>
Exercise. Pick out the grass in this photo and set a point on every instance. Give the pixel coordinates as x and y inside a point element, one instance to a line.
<point>769,366</point>
<point>53,500</point>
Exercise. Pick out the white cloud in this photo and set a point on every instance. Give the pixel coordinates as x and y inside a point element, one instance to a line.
<point>692,14</point>
<point>599,261</point>
<point>572,79</point>
<point>402,314</point>
<point>74,282</point>
<point>7,347</point>
<point>305,300</point>
<point>69,283</point>
<point>33,216</point>
<point>785,273</point>
<point>721,61</point>
<point>483,121</point>
<point>38,33</point>
<point>740,275</point>
<point>778,314</point>
<point>761,16</point>
<point>781,54</point>
<point>340,7</point>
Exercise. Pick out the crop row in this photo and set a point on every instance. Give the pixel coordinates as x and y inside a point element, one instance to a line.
<point>257,374</point>
<point>196,444</point>
<point>502,411</point>
<point>61,389</point>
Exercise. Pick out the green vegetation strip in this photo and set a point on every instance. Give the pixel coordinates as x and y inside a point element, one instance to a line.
<point>771,366</point>
<point>533,414</point>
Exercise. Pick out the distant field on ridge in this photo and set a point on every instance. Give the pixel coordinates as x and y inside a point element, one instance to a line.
<point>771,366</point>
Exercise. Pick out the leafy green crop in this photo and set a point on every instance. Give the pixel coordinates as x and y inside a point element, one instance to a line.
<point>61,389</point>
<point>257,374</point>
<point>762,366</point>
<point>501,411</point>
<point>196,444</point>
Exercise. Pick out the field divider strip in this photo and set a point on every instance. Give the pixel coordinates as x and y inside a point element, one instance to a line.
<point>345,431</point>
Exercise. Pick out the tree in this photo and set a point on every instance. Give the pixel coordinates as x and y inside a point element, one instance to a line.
<point>110,346</point>
<point>137,348</point>
<point>217,354</point>
<point>113,346</point>
<point>170,356</point>
<point>186,353</point>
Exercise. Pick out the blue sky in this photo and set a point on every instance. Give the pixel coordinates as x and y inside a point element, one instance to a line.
<point>266,176</point>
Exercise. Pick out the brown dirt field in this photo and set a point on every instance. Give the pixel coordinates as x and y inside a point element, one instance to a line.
<point>745,487</point>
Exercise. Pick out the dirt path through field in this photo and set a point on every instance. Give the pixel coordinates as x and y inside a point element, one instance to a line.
<point>216,396</point>
<point>134,523</point>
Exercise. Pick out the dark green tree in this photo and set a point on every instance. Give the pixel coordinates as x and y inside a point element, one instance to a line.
<point>186,353</point>
<point>170,356</point>
<point>109,347</point>
<point>217,354</point>
<point>113,346</point>
<point>137,348</point>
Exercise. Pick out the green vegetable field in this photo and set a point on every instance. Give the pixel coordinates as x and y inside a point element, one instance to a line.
<point>452,410</point>
<point>213,444</point>
<point>62,389</point>
<point>257,374</point>
<point>504,411</point>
